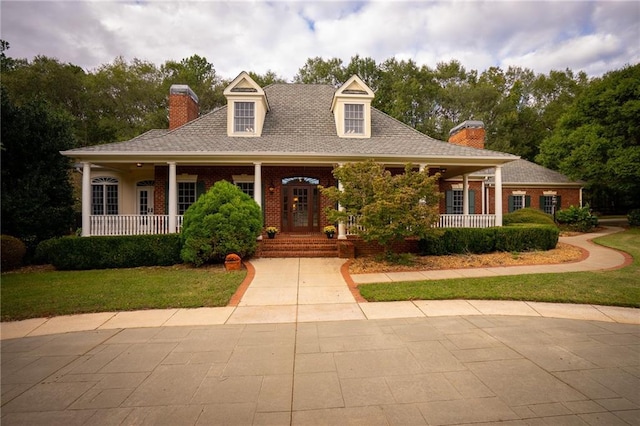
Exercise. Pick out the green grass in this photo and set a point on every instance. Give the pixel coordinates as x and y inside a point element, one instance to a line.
<point>620,287</point>
<point>44,294</point>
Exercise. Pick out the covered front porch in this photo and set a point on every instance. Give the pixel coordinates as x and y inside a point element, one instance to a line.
<point>142,199</point>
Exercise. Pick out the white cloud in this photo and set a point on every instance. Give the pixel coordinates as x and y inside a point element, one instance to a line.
<point>257,36</point>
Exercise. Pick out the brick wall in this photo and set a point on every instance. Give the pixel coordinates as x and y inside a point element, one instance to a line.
<point>569,197</point>
<point>271,178</point>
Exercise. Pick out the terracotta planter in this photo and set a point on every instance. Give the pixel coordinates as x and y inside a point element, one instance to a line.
<point>232,262</point>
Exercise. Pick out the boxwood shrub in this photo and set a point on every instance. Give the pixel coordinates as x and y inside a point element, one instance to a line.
<point>12,252</point>
<point>75,253</point>
<point>527,215</point>
<point>515,238</point>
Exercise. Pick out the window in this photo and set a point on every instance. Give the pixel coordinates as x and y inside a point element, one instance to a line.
<point>455,201</point>
<point>547,205</point>
<point>354,119</point>
<point>246,187</point>
<point>244,117</point>
<point>104,196</point>
<point>186,195</point>
<point>519,201</point>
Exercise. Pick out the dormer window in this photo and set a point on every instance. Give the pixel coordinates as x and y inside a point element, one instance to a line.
<point>247,107</point>
<point>351,107</point>
<point>244,117</point>
<point>354,119</point>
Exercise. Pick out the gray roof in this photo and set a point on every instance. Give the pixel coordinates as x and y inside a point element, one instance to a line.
<point>299,121</point>
<point>525,172</point>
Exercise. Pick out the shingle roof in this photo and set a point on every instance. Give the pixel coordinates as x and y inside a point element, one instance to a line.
<point>525,172</point>
<point>299,122</point>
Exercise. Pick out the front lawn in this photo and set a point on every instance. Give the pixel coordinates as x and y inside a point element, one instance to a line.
<point>51,293</point>
<point>620,287</point>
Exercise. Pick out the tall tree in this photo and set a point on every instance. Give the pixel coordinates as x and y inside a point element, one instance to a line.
<point>37,196</point>
<point>319,71</point>
<point>597,139</point>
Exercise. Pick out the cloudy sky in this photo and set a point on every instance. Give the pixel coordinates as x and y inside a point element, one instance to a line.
<point>592,36</point>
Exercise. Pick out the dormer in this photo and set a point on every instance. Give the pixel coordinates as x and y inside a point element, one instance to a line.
<point>351,109</point>
<point>247,107</point>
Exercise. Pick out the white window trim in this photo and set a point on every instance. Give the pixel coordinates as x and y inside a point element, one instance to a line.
<point>363,119</point>
<point>106,180</point>
<point>252,130</point>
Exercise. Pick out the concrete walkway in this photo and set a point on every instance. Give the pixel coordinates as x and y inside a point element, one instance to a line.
<point>286,356</point>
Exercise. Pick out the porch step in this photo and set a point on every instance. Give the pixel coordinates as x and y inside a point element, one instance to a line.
<point>298,246</point>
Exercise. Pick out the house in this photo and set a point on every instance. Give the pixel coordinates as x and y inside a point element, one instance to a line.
<point>524,184</point>
<point>277,144</point>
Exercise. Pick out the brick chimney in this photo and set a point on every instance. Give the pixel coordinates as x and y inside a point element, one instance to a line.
<point>183,105</point>
<point>468,133</point>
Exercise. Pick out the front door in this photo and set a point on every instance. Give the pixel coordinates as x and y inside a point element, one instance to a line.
<point>300,208</point>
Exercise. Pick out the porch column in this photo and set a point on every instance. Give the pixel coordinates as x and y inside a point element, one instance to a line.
<point>257,183</point>
<point>465,194</point>
<point>342,227</point>
<point>465,200</point>
<point>257,188</point>
<point>173,198</point>
<point>498,195</point>
<point>86,199</point>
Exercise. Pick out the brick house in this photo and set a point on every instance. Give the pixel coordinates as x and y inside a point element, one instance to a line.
<point>277,144</point>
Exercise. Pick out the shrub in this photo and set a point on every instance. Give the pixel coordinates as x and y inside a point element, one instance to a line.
<point>12,252</point>
<point>577,219</point>
<point>224,220</point>
<point>526,237</point>
<point>78,253</point>
<point>528,215</point>
<point>634,217</point>
<point>523,237</point>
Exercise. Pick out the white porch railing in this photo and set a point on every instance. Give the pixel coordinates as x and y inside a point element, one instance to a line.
<point>131,224</point>
<point>466,221</point>
<point>446,221</point>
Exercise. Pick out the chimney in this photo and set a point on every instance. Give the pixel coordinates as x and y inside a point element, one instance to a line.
<point>468,133</point>
<point>183,105</point>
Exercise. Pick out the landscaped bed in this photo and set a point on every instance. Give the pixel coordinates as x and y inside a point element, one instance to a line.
<point>563,253</point>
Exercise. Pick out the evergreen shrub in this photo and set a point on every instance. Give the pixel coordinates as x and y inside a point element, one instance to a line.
<point>12,252</point>
<point>634,217</point>
<point>516,238</point>
<point>527,215</point>
<point>222,221</point>
<point>79,253</point>
<point>577,219</point>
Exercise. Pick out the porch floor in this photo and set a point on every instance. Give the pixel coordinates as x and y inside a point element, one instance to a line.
<point>312,244</point>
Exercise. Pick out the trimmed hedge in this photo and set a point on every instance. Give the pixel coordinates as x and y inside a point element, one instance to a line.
<point>515,238</point>
<point>527,215</point>
<point>76,253</point>
<point>634,217</point>
<point>12,252</point>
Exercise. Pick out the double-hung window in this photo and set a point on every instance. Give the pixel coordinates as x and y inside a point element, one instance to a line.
<point>104,196</point>
<point>186,196</point>
<point>246,187</point>
<point>354,119</point>
<point>518,201</point>
<point>244,117</point>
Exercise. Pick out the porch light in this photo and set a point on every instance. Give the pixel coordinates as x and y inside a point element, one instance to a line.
<point>272,188</point>
<point>138,164</point>
<point>443,170</point>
